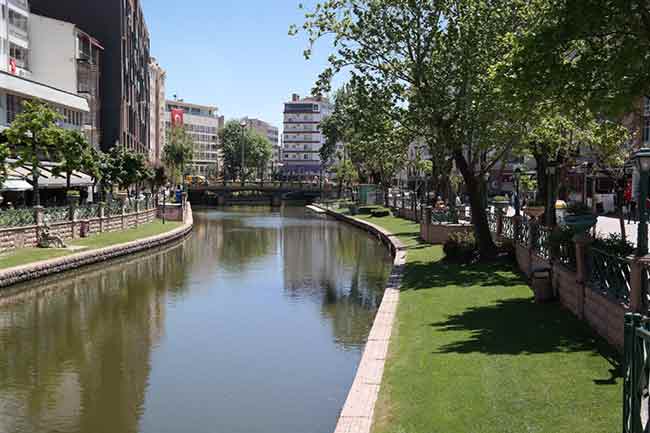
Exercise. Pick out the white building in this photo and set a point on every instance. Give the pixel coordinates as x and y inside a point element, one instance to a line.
<point>18,83</point>
<point>269,131</point>
<point>202,123</point>
<point>157,130</point>
<point>65,57</point>
<point>302,138</point>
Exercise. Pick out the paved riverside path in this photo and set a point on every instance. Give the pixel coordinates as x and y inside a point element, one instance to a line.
<point>608,225</point>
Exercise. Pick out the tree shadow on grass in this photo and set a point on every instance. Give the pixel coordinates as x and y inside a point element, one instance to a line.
<point>428,275</point>
<point>523,327</point>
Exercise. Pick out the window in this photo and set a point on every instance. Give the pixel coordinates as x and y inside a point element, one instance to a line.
<point>646,130</point>
<point>306,157</point>
<point>17,20</point>
<point>646,106</point>
<point>20,54</point>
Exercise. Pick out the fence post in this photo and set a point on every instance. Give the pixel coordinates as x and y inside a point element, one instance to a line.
<point>71,217</point>
<point>628,361</point>
<point>137,212</point>
<point>637,301</point>
<point>582,271</point>
<point>123,214</point>
<point>102,215</point>
<point>38,215</point>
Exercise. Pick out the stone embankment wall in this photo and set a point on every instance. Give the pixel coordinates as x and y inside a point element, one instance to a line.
<point>32,271</point>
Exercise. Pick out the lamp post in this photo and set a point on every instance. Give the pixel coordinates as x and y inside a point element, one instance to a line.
<point>243,124</point>
<point>586,171</point>
<point>642,159</point>
<point>517,201</point>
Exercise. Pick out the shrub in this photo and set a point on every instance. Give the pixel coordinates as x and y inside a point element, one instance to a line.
<point>562,235</point>
<point>461,247</point>
<point>578,208</point>
<point>615,245</point>
<point>366,210</point>
<point>380,213</point>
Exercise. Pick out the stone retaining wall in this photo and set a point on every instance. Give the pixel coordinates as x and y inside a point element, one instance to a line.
<point>358,411</point>
<point>32,271</point>
<point>26,237</point>
<point>604,314</point>
<point>439,233</point>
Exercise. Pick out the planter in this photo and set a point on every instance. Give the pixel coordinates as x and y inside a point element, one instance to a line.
<point>534,211</point>
<point>580,223</point>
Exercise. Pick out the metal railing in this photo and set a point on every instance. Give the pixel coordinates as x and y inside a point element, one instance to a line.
<point>610,274</point>
<point>508,228</point>
<point>11,218</point>
<point>56,214</point>
<point>636,365</point>
<point>541,242</point>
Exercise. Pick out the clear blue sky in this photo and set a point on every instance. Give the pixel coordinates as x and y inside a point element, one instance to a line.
<point>233,54</point>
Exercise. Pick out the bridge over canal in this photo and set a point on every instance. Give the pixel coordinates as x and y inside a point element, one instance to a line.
<point>273,193</point>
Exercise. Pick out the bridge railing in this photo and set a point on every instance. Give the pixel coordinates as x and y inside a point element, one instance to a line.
<point>288,185</point>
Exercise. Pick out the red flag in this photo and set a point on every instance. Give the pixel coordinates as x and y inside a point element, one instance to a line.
<point>177,117</point>
<point>12,66</point>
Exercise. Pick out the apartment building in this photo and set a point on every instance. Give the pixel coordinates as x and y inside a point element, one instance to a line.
<point>157,78</point>
<point>124,84</point>
<point>202,123</point>
<point>270,132</point>
<point>17,80</point>
<point>66,57</point>
<point>302,138</point>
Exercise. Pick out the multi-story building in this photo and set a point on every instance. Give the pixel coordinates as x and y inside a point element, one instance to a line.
<point>17,82</point>
<point>65,57</point>
<point>202,123</point>
<point>124,85</point>
<point>302,138</point>
<point>157,77</point>
<point>270,132</point>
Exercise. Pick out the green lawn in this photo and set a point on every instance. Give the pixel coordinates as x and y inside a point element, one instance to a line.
<point>472,353</point>
<point>30,255</point>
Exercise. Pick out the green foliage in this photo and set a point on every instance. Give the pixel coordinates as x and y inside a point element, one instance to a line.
<point>461,247</point>
<point>178,152</point>
<point>615,245</point>
<point>32,136</point>
<point>72,149</point>
<point>258,150</point>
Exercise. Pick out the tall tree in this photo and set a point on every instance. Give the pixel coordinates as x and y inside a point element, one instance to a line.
<point>178,152</point>
<point>234,138</point>
<point>71,148</point>
<point>32,137</point>
<point>433,58</point>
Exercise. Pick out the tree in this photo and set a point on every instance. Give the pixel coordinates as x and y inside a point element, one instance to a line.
<point>5,153</point>
<point>32,137</point>
<point>233,138</point>
<point>94,164</point>
<point>346,174</point>
<point>593,50</point>
<point>260,153</point>
<point>71,148</point>
<point>178,152</point>
<point>433,58</point>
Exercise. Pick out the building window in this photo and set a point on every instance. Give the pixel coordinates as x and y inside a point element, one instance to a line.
<point>20,54</point>
<point>646,106</point>
<point>646,130</point>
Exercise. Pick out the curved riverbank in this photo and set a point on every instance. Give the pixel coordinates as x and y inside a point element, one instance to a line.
<point>32,271</point>
<point>358,411</point>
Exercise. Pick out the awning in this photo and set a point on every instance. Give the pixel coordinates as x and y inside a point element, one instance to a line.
<point>16,185</point>
<point>46,180</point>
<point>32,89</point>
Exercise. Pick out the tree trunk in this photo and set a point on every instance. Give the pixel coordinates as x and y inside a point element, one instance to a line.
<point>37,195</point>
<point>68,181</point>
<point>542,178</point>
<point>486,246</point>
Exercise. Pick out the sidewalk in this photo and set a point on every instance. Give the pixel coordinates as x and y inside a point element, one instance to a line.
<point>608,225</point>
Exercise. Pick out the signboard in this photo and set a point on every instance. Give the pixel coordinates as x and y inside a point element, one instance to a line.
<point>177,117</point>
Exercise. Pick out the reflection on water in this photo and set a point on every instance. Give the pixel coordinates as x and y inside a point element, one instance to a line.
<point>253,324</point>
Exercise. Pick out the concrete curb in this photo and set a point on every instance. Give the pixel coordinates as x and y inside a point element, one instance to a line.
<point>358,411</point>
<point>20,274</point>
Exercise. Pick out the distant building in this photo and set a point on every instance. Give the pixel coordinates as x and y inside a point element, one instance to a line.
<point>202,123</point>
<point>65,57</point>
<point>124,84</point>
<point>270,132</point>
<point>17,83</point>
<point>302,138</point>
<point>157,78</point>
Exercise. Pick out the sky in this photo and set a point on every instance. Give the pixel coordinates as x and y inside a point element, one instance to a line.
<point>234,54</point>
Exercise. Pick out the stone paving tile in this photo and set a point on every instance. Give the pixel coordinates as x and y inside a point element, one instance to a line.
<point>361,400</point>
<point>353,425</point>
<point>380,331</point>
<point>376,349</point>
<point>370,371</point>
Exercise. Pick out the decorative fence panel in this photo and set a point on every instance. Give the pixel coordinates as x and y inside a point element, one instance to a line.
<point>447,216</point>
<point>541,242</point>
<point>636,368</point>
<point>523,237</point>
<point>86,212</point>
<point>56,214</point>
<point>610,274</point>
<point>567,255</point>
<point>114,208</point>
<point>17,218</point>
<point>492,221</point>
<point>508,228</point>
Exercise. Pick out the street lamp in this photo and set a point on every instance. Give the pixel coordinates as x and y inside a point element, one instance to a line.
<point>517,201</point>
<point>642,159</point>
<point>243,124</point>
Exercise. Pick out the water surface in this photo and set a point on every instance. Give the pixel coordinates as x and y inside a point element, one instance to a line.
<point>256,323</point>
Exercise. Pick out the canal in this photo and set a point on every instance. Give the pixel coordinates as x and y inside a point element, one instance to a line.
<point>254,324</point>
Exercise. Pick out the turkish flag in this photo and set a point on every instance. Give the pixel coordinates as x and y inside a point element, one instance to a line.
<point>12,66</point>
<point>177,117</point>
